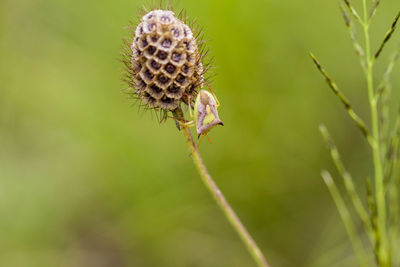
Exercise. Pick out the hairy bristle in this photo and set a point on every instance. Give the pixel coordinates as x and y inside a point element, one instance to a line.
<point>165,59</point>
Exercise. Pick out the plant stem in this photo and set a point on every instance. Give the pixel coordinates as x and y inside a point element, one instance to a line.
<point>220,199</point>
<point>382,242</point>
<point>346,218</point>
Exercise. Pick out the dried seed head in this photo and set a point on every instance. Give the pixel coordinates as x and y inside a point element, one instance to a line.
<point>165,63</point>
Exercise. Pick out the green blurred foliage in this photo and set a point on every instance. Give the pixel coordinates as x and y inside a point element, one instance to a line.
<point>86,180</point>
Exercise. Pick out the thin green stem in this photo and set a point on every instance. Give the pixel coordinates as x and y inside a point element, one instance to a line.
<point>393,178</point>
<point>382,245</point>
<point>221,200</point>
<point>348,182</point>
<point>346,218</point>
<point>393,228</point>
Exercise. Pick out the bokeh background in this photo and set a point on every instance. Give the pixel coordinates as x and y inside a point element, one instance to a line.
<point>86,180</point>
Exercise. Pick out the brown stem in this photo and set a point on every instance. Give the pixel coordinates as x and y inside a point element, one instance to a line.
<point>219,197</point>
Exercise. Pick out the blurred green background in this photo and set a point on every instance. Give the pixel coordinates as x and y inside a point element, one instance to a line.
<point>86,180</point>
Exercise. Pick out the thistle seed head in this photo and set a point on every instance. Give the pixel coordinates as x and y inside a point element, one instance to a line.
<point>165,65</point>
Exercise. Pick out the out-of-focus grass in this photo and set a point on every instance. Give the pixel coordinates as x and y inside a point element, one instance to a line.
<point>87,181</point>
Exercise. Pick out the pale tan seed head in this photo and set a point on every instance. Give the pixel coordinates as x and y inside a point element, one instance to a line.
<point>166,67</point>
